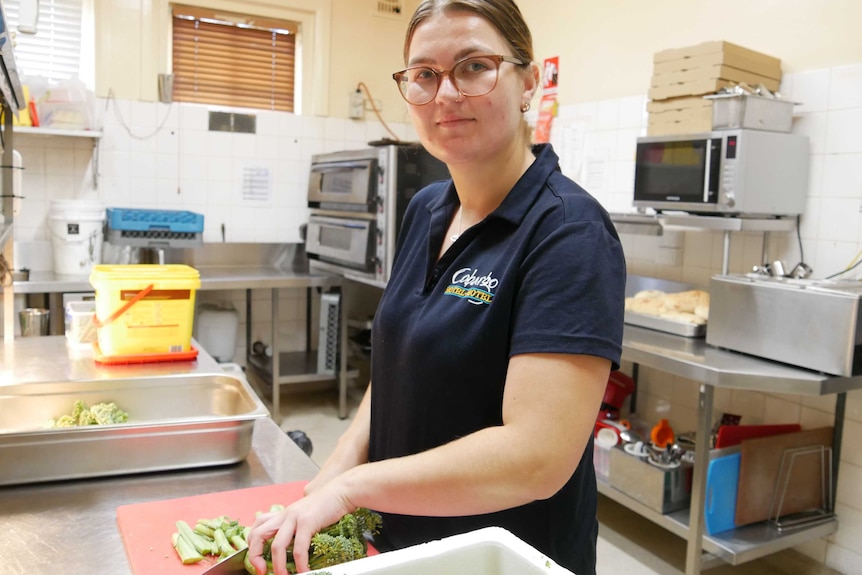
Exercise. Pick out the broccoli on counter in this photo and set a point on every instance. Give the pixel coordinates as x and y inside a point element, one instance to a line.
<point>97,414</point>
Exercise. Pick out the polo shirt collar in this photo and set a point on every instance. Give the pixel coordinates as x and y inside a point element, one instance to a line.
<point>518,201</point>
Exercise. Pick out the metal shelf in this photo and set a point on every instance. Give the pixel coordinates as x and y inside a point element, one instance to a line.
<point>735,546</point>
<point>295,367</point>
<point>716,368</point>
<point>655,224</point>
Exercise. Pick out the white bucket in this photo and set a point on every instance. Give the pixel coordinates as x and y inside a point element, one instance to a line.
<point>215,329</point>
<point>76,235</point>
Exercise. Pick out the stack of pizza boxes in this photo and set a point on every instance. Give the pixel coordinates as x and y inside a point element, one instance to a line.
<point>683,76</point>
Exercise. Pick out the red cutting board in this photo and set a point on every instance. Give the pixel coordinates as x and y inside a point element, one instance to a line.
<point>729,435</point>
<point>146,528</point>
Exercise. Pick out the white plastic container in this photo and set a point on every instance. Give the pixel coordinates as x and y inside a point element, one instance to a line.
<point>81,330</point>
<point>488,551</point>
<point>76,233</point>
<point>215,331</point>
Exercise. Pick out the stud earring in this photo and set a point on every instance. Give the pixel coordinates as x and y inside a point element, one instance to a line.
<point>525,107</point>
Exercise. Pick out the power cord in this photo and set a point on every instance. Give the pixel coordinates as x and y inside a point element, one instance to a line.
<point>112,98</point>
<point>853,265</point>
<point>376,111</point>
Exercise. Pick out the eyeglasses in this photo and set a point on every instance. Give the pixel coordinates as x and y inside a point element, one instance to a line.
<point>474,76</point>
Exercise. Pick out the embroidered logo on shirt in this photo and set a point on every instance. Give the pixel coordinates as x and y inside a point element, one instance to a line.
<point>476,289</point>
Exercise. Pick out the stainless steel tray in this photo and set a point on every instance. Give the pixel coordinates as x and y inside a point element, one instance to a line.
<point>682,328</point>
<point>635,283</point>
<point>175,422</point>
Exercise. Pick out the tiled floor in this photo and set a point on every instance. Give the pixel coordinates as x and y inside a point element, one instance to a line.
<point>657,552</point>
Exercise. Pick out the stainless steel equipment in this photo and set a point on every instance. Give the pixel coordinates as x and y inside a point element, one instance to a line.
<point>662,490</point>
<point>175,422</point>
<point>813,324</point>
<point>357,200</point>
<point>739,172</point>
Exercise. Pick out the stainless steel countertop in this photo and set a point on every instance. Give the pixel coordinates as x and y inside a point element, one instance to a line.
<point>694,359</point>
<point>212,278</point>
<point>70,526</point>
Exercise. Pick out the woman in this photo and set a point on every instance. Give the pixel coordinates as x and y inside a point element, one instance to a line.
<point>494,338</point>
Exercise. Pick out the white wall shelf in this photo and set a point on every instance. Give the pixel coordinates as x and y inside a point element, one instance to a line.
<point>53,132</point>
<point>91,134</point>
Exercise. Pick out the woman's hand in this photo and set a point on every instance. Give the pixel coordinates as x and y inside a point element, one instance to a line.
<point>297,523</point>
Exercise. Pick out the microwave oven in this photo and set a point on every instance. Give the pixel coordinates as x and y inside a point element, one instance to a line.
<point>725,172</point>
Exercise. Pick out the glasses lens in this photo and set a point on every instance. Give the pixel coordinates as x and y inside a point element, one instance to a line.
<point>472,77</point>
<point>418,85</point>
<point>476,76</point>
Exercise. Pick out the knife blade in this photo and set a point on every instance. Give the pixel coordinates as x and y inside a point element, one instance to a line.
<point>233,563</point>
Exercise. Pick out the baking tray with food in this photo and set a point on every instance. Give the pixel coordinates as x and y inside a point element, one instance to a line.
<point>668,306</point>
<point>78,429</point>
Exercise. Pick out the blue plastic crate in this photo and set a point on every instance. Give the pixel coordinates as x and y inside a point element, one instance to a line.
<point>140,220</point>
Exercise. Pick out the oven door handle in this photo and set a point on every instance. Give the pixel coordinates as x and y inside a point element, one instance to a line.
<point>337,224</point>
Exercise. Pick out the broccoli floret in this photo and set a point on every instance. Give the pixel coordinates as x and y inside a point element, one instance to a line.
<point>337,543</point>
<point>108,413</point>
<point>98,414</point>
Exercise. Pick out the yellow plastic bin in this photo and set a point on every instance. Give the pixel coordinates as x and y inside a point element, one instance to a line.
<point>144,310</point>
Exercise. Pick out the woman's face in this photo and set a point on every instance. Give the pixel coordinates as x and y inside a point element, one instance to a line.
<point>458,129</point>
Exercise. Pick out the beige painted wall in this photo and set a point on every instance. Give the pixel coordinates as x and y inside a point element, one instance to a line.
<point>132,48</point>
<point>606,46</point>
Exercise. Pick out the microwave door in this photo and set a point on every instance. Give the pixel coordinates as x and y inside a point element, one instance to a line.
<point>707,171</point>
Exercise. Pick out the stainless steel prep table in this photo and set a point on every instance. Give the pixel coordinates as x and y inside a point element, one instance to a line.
<point>692,358</point>
<point>70,526</point>
<point>286,367</point>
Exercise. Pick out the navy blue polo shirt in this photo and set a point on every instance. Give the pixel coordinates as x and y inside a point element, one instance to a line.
<point>543,273</point>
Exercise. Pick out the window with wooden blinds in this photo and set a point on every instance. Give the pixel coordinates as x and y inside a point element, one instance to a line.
<point>233,60</point>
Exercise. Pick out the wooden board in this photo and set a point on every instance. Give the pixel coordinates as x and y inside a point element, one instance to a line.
<point>146,528</point>
<point>759,468</point>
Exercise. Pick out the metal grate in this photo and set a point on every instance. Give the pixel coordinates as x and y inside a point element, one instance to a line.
<point>328,340</point>
<point>391,8</point>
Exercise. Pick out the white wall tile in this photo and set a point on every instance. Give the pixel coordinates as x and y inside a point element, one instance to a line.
<point>219,169</point>
<point>334,129</point>
<point>312,127</point>
<point>850,489</point>
<point>167,167</point>
<point>245,146</point>
<point>812,125</point>
<point>608,115</point>
<point>142,165</point>
<point>843,129</point>
<point>840,219</point>
<point>811,91</point>
<point>219,145</point>
<point>842,175</point>
<point>142,192</point>
<point>844,560</point>
<point>851,447</point>
<point>845,89</point>
<point>831,257</point>
<point>267,122</point>
<point>193,117</point>
<point>633,112</point>
<point>168,142</point>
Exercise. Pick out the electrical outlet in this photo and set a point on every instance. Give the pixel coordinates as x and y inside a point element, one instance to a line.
<point>377,104</point>
<point>356,106</point>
